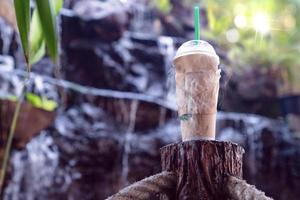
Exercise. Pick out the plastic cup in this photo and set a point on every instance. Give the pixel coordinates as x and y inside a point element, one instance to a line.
<point>197,86</point>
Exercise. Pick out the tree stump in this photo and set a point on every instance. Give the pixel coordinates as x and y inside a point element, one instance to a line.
<point>201,167</point>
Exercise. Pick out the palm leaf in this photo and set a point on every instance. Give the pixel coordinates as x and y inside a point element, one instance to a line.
<point>37,39</point>
<point>22,9</point>
<point>57,4</point>
<point>38,54</point>
<point>48,24</point>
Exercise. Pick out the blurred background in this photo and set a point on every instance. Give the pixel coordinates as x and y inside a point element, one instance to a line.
<point>95,123</point>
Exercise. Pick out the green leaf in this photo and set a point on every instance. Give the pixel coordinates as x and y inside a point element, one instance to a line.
<point>163,5</point>
<point>40,102</point>
<point>34,100</point>
<point>38,54</point>
<point>49,105</point>
<point>57,4</point>
<point>22,9</point>
<point>37,39</point>
<point>48,24</point>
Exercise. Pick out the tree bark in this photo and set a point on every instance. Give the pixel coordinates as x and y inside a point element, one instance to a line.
<point>157,187</point>
<point>201,168</point>
<point>239,189</point>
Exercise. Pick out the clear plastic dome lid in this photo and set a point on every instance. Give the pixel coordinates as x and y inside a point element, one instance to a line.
<point>195,47</point>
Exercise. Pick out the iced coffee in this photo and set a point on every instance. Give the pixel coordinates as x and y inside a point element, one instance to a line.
<point>197,85</point>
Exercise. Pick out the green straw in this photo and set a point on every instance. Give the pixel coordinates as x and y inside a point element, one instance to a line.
<point>197,23</point>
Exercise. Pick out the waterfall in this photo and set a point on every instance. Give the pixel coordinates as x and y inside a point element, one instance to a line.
<point>167,47</point>
<point>6,35</point>
<point>142,20</point>
<point>29,167</point>
<point>127,141</point>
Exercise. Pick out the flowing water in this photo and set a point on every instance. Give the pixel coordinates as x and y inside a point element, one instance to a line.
<point>128,140</point>
<point>6,36</point>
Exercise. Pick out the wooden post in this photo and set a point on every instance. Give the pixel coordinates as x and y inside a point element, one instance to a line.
<point>201,167</point>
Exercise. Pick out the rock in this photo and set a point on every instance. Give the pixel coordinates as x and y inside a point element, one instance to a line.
<point>87,19</point>
<point>271,155</point>
<point>6,63</point>
<point>149,18</point>
<point>135,64</point>
<point>46,67</point>
<point>87,155</point>
<point>294,123</point>
<point>254,91</point>
<point>12,82</point>
<point>8,38</point>
<point>30,122</point>
<point>92,66</point>
<point>144,154</point>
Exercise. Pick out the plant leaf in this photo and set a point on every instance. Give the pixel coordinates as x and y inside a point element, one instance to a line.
<point>57,4</point>
<point>163,5</point>
<point>22,9</point>
<point>40,102</point>
<point>37,39</point>
<point>48,24</point>
<point>49,105</point>
<point>38,54</point>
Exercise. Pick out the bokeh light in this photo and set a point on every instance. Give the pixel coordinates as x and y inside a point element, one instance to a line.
<point>261,23</point>
<point>240,21</point>
<point>232,35</point>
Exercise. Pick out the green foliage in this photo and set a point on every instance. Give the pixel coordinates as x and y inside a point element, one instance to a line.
<point>266,33</point>
<point>43,28</point>
<point>22,9</point>
<point>163,5</point>
<point>40,30</point>
<point>48,24</point>
<point>40,102</point>
<point>37,43</point>
<point>37,37</point>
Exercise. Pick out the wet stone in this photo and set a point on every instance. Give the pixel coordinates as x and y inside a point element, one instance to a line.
<point>253,91</point>
<point>87,19</point>
<point>144,153</point>
<point>120,66</point>
<point>271,152</point>
<point>8,41</point>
